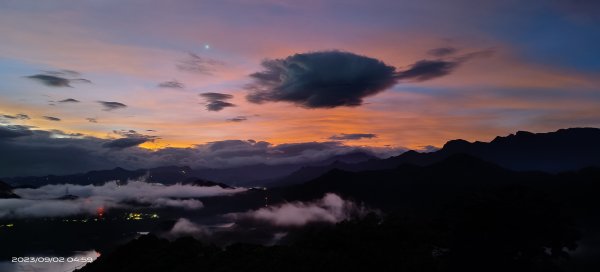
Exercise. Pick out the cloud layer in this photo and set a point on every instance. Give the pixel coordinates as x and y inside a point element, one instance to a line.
<point>44,202</point>
<point>38,152</point>
<point>329,209</point>
<point>14,131</point>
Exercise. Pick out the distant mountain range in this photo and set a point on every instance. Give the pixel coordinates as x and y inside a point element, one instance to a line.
<point>478,211</point>
<point>553,152</point>
<point>250,175</point>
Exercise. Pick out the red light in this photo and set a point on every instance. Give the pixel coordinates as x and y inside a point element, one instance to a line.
<point>100,211</point>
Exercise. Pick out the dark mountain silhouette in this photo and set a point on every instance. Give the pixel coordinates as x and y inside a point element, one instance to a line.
<point>6,191</point>
<point>458,214</point>
<point>351,158</point>
<point>263,174</point>
<point>250,175</point>
<point>563,150</point>
<point>410,185</point>
<point>553,152</point>
<point>166,175</point>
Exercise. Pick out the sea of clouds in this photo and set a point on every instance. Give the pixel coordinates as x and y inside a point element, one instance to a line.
<point>44,202</point>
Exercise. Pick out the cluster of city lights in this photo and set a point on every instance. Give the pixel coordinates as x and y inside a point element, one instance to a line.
<point>140,216</point>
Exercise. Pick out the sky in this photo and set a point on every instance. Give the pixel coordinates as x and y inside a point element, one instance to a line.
<point>165,76</point>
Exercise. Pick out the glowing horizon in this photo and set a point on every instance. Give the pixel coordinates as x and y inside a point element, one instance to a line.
<point>156,59</point>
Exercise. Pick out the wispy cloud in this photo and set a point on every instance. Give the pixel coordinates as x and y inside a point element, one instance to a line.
<point>238,119</point>
<point>442,51</point>
<point>173,84</point>
<point>430,69</point>
<point>59,78</point>
<point>427,69</point>
<point>19,116</point>
<point>110,105</point>
<point>197,64</point>
<point>51,118</point>
<point>352,136</point>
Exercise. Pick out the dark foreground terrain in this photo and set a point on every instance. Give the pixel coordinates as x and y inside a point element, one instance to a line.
<point>460,214</point>
<point>525,202</point>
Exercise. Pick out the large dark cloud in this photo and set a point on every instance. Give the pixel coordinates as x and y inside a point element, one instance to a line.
<point>324,79</point>
<point>352,136</point>
<point>109,105</point>
<point>14,131</point>
<point>216,101</point>
<point>58,78</point>
<point>197,64</point>
<point>51,118</point>
<point>329,79</point>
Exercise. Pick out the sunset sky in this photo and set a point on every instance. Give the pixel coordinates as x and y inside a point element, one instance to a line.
<point>463,69</point>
